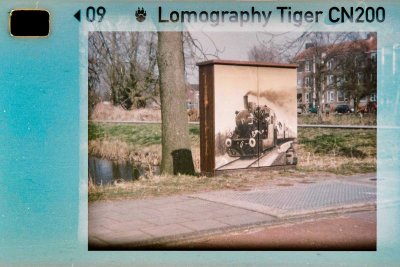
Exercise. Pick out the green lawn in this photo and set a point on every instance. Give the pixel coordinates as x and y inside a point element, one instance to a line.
<point>319,151</point>
<point>135,134</point>
<point>340,142</point>
<point>338,119</point>
<point>341,151</point>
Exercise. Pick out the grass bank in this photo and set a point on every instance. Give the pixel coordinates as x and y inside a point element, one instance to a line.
<point>331,151</point>
<point>167,185</point>
<point>337,151</point>
<point>338,119</point>
<point>139,143</point>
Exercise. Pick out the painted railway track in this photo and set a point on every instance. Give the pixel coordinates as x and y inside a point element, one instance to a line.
<point>239,163</point>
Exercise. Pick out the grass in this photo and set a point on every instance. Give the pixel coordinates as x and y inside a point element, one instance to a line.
<point>139,135</point>
<point>139,143</point>
<point>105,111</point>
<point>339,142</point>
<point>167,185</point>
<point>135,134</point>
<point>337,150</point>
<point>334,151</point>
<point>338,119</point>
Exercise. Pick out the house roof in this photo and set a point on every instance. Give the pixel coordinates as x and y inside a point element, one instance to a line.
<point>367,45</point>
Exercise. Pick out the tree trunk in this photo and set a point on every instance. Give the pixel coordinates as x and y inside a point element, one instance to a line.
<point>176,153</point>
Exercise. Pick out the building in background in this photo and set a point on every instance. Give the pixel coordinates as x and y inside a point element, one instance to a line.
<point>337,74</point>
<point>192,96</point>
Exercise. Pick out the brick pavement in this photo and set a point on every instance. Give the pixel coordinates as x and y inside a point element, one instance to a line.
<point>140,222</point>
<point>127,224</point>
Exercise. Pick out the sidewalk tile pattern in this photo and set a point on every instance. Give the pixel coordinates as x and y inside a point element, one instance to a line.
<point>147,220</point>
<point>301,197</point>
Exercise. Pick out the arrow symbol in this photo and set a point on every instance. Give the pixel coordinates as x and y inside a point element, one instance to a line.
<point>78,15</point>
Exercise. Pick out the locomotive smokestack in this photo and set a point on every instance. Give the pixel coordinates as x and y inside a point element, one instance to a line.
<point>246,102</point>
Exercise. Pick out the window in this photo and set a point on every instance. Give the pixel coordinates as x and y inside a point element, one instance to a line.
<point>329,79</point>
<point>299,98</point>
<point>329,64</point>
<point>331,96</point>
<point>299,82</point>
<point>307,81</point>
<point>307,98</point>
<point>373,57</point>
<point>341,96</point>
<point>307,66</point>
<point>339,81</point>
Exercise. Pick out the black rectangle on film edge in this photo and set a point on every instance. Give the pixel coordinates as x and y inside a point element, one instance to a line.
<point>29,23</point>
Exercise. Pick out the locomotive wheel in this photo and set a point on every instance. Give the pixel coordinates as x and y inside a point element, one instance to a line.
<point>252,142</point>
<point>228,142</point>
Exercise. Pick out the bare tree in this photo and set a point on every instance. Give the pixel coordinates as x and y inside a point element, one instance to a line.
<point>313,51</point>
<point>176,153</point>
<point>125,63</point>
<point>266,53</point>
<point>354,70</point>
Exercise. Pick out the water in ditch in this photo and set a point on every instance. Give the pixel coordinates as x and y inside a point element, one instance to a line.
<point>103,171</point>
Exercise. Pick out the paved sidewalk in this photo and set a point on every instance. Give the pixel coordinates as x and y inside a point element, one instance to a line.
<point>150,223</point>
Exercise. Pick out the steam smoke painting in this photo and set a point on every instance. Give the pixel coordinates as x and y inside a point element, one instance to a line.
<point>256,121</point>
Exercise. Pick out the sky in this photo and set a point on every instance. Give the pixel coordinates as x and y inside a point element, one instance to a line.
<point>233,46</point>
<point>236,45</point>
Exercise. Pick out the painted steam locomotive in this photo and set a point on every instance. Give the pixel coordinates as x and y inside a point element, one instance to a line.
<point>257,130</point>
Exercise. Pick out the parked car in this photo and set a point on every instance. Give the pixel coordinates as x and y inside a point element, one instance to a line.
<point>343,109</point>
<point>313,110</point>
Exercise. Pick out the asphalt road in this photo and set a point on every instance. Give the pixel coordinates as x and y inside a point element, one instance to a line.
<point>352,231</point>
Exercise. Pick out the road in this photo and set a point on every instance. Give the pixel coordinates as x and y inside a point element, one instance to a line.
<point>352,231</point>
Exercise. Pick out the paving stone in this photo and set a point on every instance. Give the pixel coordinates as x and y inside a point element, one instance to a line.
<point>129,216</point>
<point>200,225</point>
<point>131,221</point>
<point>96,242</point>
<point>98,230</point>
<point>168,220</point>
<point>167,230</point>
<point>129,225</point>
<point>237,220</point>
<point>230,211</point>
<point>304,198</point>
<point>202,215</point>
<point>93,222</point>
<point>102,234</point>
<point>124,237</point>
<point>166,201</point>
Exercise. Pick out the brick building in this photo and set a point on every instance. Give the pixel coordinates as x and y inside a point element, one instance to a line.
<point>342,73</point>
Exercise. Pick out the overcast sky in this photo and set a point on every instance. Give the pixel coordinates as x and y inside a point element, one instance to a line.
<point>234,45</point>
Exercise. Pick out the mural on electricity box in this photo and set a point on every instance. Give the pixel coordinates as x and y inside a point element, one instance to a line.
<point>255,116</point>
